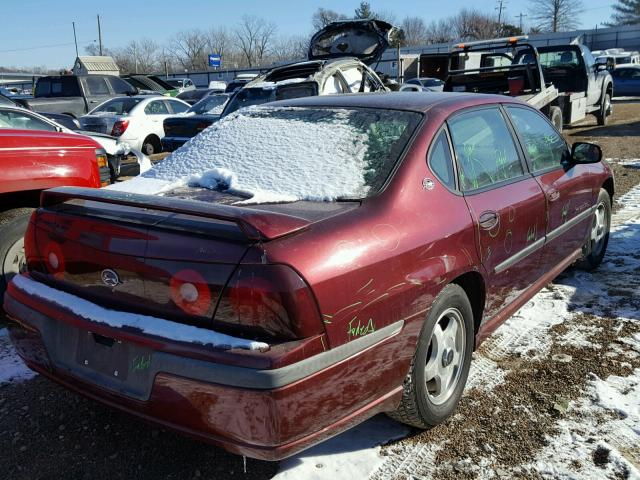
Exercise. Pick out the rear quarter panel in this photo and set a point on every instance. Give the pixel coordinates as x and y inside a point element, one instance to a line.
<point>40,160</point>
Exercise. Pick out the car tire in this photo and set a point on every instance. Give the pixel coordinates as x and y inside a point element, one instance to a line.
<point>425,401</point>
<point>151,145</point>
<point>605,109</point>
<point>13,224</point>
<point>555,115</point>
<point>595,246</point>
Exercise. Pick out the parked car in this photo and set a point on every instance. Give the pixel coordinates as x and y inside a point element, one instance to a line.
<point>75,95</point>
<point>239,81</point>
<point>425,84</point>
<point>33,161</point>
<point>194,96</point>
<point>18,118</point>
<point>218,85</point>
<point>149,86</point>
<point>618,60</point>
<point>267,328</point>
<point>626,81</point>
<point>181,128</point>
<point>339,55</point>
<point>136,120</point>
<point>181,84</point>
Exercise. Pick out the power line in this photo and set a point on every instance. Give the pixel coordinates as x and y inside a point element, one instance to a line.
<point>47,46</point>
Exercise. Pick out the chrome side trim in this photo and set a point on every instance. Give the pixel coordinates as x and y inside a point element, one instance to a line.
<point>555,233</point>
<point>525,252</point>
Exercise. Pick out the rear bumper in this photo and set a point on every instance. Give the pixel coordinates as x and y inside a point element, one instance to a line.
<point>266,414</point>
<point>169,144</point>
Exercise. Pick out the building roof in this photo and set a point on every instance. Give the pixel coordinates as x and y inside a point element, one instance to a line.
<point>97,63</point>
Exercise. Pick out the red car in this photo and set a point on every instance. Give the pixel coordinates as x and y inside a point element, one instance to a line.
<point>393,233</point>
<point>32,161</point>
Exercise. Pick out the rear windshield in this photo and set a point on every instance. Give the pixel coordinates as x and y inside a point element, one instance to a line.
<point>118,106</point>
<point>213,105</point>
<point>287,154</point>
<point>174,83</point>
<point>560,58</point>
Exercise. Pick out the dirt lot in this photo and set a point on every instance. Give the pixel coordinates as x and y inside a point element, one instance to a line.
<point>530,384</point>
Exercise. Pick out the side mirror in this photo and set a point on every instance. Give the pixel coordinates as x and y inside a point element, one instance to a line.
<point>600,67</point>
<point>584,153</point>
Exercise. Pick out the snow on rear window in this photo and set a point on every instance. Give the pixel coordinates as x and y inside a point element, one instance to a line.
<point>287,154</point>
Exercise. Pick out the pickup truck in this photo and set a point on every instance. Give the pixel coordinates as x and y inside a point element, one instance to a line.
<point>75,95</point>
<point>33,161</point>
<point>563,81</point>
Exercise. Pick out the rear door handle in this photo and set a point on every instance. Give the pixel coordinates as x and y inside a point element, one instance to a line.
<point>553,195</point>
<point>488,220</point>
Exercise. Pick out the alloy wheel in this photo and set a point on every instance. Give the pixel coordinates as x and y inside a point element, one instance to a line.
<point>445,356</point>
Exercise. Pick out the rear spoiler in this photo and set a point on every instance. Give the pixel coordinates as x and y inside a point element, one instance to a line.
<point>256,224</point>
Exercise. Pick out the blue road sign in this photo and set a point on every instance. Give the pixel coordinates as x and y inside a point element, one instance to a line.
<point>215,60</point>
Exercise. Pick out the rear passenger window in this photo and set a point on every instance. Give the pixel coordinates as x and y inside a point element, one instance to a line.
<point>441,162</point>
<point>96,85</point>
<point>484,149</point>
<point>156,108</point>
<point>543,144</point>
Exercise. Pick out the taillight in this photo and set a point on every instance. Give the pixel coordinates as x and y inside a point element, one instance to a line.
<point>190,291</point>
<point>103,167</point>
<point>53,258</point>
<point>270,299</point>
<point>119,127</point>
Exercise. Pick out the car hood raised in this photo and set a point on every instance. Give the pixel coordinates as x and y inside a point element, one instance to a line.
<point>362,39</point>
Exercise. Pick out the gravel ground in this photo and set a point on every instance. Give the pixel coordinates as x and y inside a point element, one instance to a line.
<point>48,432</point>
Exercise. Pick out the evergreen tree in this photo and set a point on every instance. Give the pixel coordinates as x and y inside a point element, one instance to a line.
<point>364,10</point>
<point>626,12</point>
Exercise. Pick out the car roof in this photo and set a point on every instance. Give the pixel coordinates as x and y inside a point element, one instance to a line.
<point>410,101</point>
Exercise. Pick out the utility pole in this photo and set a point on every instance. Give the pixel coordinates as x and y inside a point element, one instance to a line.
<point>75,39</point>
<point>99,36</point>
<point>135,54</point>
<point>521,15</point>
<point>499,8</point>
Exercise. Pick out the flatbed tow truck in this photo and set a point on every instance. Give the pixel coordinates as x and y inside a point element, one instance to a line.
<point>562,81</point>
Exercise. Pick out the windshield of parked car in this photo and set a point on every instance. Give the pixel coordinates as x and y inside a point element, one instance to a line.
<point>285,154</point>
<point>174,83</point>
<point>212,105</point>
<point>432,82</point>
<point>117,106</point>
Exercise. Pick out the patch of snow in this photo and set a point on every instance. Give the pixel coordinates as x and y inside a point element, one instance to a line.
<point>273,85</point>
<point>282,154</point>
<point>147,324</point>
<point>12,368</point>
<point>353,454</point>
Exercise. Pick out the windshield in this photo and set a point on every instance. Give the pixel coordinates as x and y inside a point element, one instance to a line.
<point>118,106</point>
<point>174,83</point>
<point>250,96</point>
<point>432,82</point>
<point>213,105</point>
<point>287,154</point>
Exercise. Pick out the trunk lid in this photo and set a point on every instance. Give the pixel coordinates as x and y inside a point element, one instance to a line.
<point>135,253</point>
<point>188,126</point>
<point>99,123</point>
<point>363,39</point>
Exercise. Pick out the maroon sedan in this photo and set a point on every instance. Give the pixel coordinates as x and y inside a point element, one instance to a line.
<point>302,266</point>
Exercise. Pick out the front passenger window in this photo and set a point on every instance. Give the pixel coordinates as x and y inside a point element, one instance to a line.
<point>543,144</point>
<point>484,149</point>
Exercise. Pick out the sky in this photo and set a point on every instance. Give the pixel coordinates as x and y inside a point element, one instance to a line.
<point>40,32</point>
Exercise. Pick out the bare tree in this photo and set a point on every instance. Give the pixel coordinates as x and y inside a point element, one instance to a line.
<point>323,17</point>
<point>556,15</point>
<point>253,36</point>
<point>415,31</point>
<point>471,24</point>
<point>189,47</point>
<point>286,49</point>
<point>138,56</point>
<point>439,31</point>
<point>220,41</point>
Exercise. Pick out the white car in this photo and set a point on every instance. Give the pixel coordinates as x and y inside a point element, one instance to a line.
<point>181,84</point>
<point>136,120</point>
